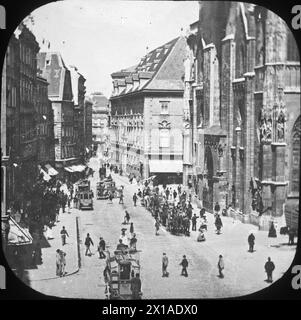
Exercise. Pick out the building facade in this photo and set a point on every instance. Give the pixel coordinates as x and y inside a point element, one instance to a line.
<point>45,125</point>
<point>146,114</point>
<point>88,123</point>
<point>78,91</point>
<point>60,94</point>
<point>242,112</point>
<point>100,115</point>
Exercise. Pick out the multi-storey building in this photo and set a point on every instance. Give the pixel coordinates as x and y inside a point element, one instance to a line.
<point>60,94</point>
<point>88,124</point>
<point>242,112</point>
<point>26,160</point>
<point>78,91</point>
<point>45,125</point>
<point>146,114</point>
<point>10,139</point>
<point>100,114</point>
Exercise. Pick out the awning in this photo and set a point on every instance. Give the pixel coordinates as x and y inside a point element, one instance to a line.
<point>79,168</point>
<point>166,166</point>
<point>75,168</point>
<point>46,176</point>
<point>51,171</point>
<point>18,235</point>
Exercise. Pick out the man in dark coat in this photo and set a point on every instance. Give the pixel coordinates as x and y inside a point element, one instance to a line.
<point>272,231</point>
<point>251,241</point>
<point>218,224</point>
<point>184,264</point>
<point>136,287</point>
<point>135,199</point>
<point>193,220</point>
<point>64,233</point>
<point>269,268</point>
<point>175,194</point>
<point>101,248</point>
<point>88,242</point>
<point>217,208</point>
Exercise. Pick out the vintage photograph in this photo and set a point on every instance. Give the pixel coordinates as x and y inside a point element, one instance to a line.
<point>150,149</point>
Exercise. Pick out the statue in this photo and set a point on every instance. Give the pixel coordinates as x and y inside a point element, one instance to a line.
<point>280,126</point>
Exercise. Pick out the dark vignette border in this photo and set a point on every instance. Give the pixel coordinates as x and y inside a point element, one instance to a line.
<point>16,11</point>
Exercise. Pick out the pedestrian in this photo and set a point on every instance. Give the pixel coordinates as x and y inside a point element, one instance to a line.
<point>135,199</point>
<point>63,263</point>
<point>139,193</point>
<point>64,233</point>
<point>101,248</point>
<point>136,287</point>
<point>157,226</point>
<point>127,217</point>
<point>111,197</point>
<point>88,242</point>
<point>175,194</point>
<point>201,236</point>
<point>167,193</point>
<point>164,265</point>
<point>217,208</point>
<point>121,245</point>
<point>291,236</point>
<point>69,202</point>
<point>133,242</point>
<point>121,198</point>
<point>184,264</point>
<point>218,224</point>
<point>269,268</point>
<point>58,262</point>
<point>272,231</point>
<point>132,228</point>
<point>251,241</point>
<point>221,266</point>
<point>193,219</point>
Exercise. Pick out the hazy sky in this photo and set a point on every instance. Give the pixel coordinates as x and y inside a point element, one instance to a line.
<point>100,37</point>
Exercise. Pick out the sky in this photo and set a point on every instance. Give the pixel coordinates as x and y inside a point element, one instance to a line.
<point>100,37</point>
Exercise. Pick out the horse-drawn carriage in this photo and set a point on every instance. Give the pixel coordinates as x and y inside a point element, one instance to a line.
<point>106,187</point>
<point>122,267</point>
<point>84,195</point>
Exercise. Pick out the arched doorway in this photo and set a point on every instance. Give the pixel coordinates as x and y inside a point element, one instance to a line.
<point>208,188</point>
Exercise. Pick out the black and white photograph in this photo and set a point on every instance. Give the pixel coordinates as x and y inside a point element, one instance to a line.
<point>150,149</point>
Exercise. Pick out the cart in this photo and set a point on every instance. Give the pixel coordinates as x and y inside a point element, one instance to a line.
<point>104,188</point>
<point>121,267</point>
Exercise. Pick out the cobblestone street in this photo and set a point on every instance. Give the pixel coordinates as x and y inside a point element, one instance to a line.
<point>203,281</point>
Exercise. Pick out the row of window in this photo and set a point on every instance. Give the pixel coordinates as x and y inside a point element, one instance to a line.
<point>67,152</point>
<point>26,91</point>
<point>27,56</point>
<point>67,131</point>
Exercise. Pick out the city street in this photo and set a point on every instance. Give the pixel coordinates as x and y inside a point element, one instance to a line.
<point>244,271</point>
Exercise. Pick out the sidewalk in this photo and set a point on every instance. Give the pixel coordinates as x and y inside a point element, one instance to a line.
<point>47,270</point>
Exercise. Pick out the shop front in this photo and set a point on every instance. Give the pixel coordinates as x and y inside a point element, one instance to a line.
<point>166,171</point>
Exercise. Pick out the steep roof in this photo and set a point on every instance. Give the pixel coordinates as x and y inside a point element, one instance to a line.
<point>53,69</point>
<point>161,69</point>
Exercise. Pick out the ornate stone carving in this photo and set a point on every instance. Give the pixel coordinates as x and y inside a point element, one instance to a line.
<point>266,127</point>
